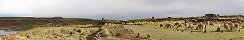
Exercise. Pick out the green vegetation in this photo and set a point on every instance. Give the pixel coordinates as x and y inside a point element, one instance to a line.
<point>165,34</point>
<point>24,24</point>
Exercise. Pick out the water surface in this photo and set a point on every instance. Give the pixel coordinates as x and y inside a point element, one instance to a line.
<point>7,32</point>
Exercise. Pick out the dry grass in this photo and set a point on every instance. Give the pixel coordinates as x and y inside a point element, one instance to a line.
<point>56,33</point>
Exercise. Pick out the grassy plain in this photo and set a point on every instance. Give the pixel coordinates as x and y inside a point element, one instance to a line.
<point>166,34</point>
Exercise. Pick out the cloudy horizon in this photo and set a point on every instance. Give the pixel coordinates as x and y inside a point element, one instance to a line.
<point>119,9</point>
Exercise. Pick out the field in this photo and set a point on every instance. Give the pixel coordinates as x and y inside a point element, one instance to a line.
<point>123,32</point>
<point>85,29</point>
<point>166,34</point>
<point>55,33</point>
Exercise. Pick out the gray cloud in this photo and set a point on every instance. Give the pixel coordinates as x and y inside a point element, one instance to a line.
<point>130,9</point>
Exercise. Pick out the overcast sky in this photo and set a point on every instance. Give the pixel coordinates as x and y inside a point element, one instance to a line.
<point>119,9</point>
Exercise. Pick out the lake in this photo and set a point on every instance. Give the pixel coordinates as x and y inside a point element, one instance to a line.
<point>7,32</point>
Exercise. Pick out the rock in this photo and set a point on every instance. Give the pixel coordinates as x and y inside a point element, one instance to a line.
<point>148,36</point>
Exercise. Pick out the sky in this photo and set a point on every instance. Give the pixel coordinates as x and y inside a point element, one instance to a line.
<point>118,9</point>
